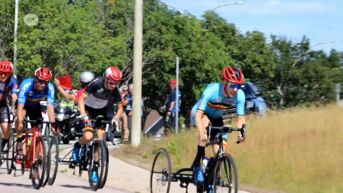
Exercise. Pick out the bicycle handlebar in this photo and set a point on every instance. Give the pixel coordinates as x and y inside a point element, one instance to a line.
<point>224,130</point>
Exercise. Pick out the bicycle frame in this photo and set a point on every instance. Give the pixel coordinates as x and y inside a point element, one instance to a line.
<point>30,149</point>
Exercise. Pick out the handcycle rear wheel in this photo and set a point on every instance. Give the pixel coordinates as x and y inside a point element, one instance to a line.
<point>160,176</point>
<point>225,175</point>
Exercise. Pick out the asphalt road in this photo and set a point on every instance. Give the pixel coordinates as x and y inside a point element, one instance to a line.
<point>64,183</point>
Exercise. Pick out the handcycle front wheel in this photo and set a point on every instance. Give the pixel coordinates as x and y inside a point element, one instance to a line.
<point>104,161</point>
<point>98,163</point>
<point>160,176</point>
<point>225,175</point>
<point>38,166</point>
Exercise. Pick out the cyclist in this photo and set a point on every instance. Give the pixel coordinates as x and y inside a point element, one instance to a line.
<point>8,88</point>
<point>31,92</point>
<point>209,110</point>
<point>97,99</point>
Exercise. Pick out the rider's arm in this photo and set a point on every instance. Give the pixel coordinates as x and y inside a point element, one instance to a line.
<point>14,98</point>
<point>119,111</point>
<point>61,90</point>
<point>20,113</point>
<point>51,113</point>
<point>240,112</point>
<point>81,104</point>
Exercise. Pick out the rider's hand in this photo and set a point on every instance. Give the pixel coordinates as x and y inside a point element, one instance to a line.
<point>54,129</point>
<point>240,138</point>
<point>86,120</point>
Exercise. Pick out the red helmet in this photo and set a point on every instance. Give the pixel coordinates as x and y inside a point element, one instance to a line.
<point>113,73</point>
<point>172,82</point>
<point>233,75</point>
<point>43,74</point>
<point>6,66</point>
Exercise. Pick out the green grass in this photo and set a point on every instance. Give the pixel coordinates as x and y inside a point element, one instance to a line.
<point>293,151</point>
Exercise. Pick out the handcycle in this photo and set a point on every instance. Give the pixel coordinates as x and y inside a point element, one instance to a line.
<point>33,156</point>
<point>220,171</point>
<point>92,156</point>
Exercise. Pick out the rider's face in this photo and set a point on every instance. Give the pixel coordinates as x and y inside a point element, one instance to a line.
<point>40,84</point>
<point>230,89</point>
<point>110,84</point>
<point>4,76</point>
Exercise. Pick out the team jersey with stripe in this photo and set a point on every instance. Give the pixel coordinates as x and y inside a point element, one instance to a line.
<point>213,102</point>
<point>30,96</point>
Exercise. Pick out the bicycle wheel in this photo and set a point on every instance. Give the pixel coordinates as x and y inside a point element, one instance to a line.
<point>160,175</point>
<point>96,166</point>
<point>10,150</point>
<point>38,167</point>
<point>104,163</point>
<point>53,157</point>
<point>225,175</point>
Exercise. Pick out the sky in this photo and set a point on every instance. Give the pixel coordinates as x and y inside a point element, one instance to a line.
<point>319,20</point>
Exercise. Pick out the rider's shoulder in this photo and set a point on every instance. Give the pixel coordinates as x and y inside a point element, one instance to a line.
<point>212,87</point>
<point>27,81</point>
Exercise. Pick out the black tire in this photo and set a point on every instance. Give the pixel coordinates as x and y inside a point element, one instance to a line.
<point>39,165</point>
<point>98,152</point>
<point>53,157</point>
<point>160,174</point>
<point>225,175</point>
<point>66,141</point>
<point>105,161</point>
<point>10,152</point>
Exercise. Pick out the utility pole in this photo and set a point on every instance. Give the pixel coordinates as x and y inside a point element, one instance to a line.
<point>137,75</point>
<point>16,13</point>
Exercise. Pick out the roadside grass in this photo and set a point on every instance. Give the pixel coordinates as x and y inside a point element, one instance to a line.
<point>293,151</point>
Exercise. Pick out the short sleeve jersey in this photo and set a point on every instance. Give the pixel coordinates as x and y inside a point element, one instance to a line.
<point>8,87</point>
<point>213,102</point>
<point>28,95</point>
<point>99,97</point>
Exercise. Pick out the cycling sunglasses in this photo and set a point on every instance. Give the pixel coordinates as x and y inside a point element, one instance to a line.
<point>5,73</point>
<point>42,81</point>
<point>233,86</point>
<point>113,83</point>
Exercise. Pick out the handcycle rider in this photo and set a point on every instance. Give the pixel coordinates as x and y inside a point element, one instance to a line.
<point>209,110</point>
<point>8,88</point>
<point>31,92</point>
<point>97,99</point>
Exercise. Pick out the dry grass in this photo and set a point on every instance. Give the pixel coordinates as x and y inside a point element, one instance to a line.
<point>293,151</point>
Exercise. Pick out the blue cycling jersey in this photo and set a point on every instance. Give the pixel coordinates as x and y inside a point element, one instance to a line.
<point>8,87</point>
<point>30,96</point>
<point>213,102</point>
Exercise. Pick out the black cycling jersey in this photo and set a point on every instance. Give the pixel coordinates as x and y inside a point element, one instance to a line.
<point>99,97</point>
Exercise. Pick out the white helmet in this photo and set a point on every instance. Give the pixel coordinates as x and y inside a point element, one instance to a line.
<point>86,77</point>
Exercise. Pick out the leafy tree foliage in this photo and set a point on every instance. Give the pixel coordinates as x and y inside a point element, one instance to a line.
<point>72,36</point>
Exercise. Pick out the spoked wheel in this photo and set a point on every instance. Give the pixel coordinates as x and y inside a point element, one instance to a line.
<point>225,175</point>
<point>104,161</point>
<point>8,152</point>
<point>84,159</point>
<point>96,165</point>
<point>38,167</point>
<point>160,175</point>
<point>53,154</point>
